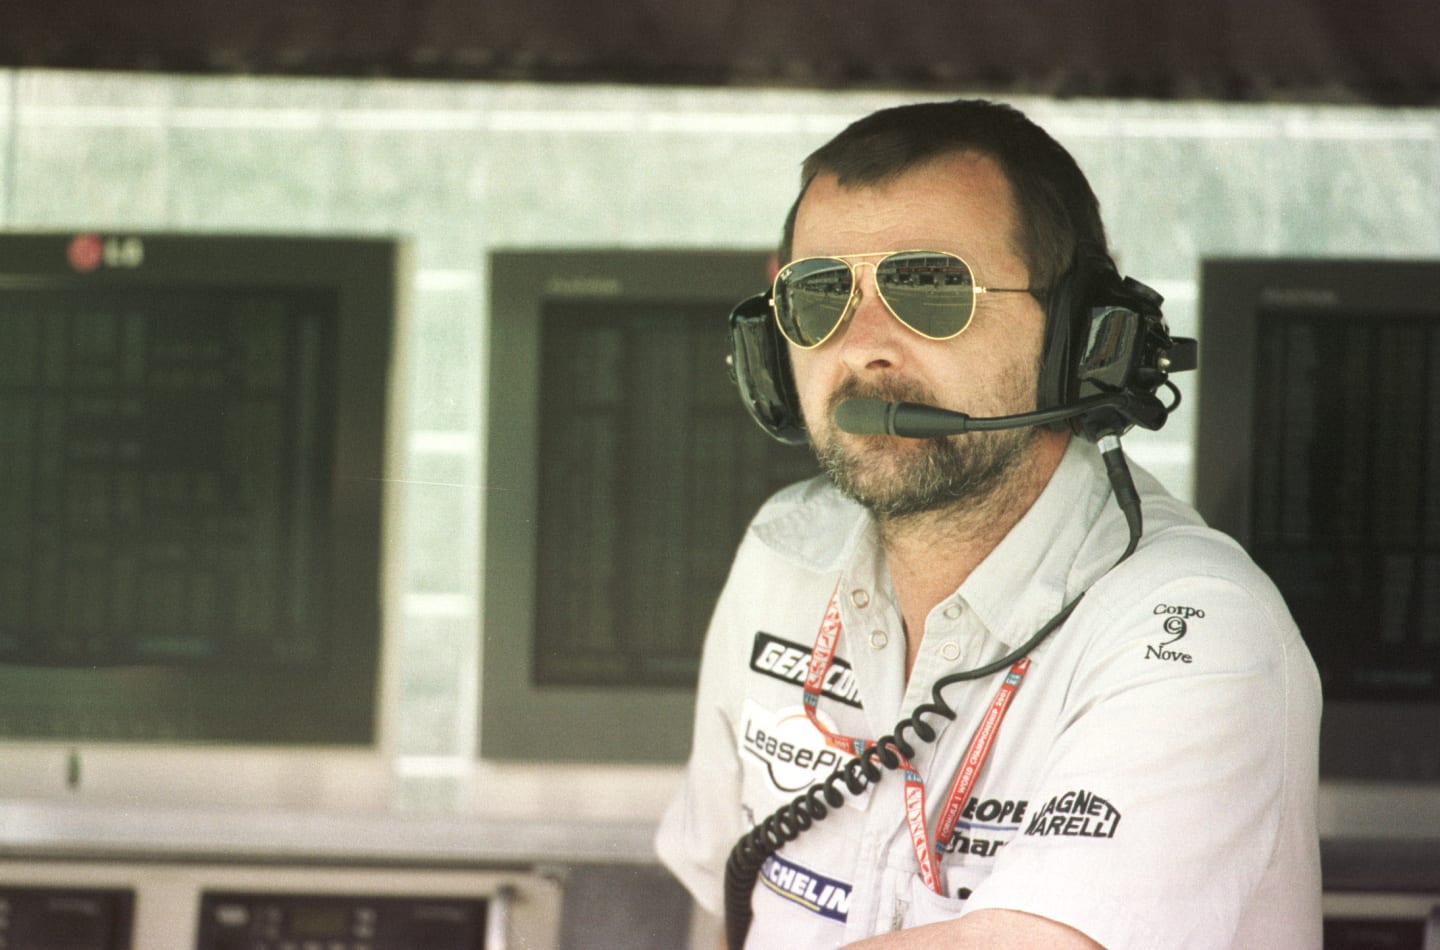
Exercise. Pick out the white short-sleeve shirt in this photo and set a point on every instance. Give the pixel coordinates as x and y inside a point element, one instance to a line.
<point>1153,783</point>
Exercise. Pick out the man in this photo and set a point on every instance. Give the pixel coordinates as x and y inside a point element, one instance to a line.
<point>1150,778</point>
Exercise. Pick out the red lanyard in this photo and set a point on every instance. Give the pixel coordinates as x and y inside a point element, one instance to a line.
<point>926,853</point>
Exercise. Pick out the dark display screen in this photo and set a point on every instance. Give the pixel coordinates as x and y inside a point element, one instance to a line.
<point>1318,448</point>
<point>163,492</point>
<point>1345,512</point>
<point>192,434</point>
<point>620,471</point>
<point>648,479</point>
<point>318,920</point>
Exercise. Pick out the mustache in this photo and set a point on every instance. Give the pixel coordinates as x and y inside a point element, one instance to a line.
<point>885,390</point>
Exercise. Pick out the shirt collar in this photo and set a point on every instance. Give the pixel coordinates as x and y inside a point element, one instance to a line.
<point>1033,571</point>
<point>1021,584</point>
<point>813,526</point>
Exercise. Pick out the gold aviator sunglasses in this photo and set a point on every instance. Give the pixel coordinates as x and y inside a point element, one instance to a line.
<point>931,292</point>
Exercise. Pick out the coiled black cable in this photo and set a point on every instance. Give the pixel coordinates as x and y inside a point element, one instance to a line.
<point>787,823</point>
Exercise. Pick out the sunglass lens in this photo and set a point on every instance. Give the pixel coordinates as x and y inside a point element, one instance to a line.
<point>932,293</point>
<point>810,298</point>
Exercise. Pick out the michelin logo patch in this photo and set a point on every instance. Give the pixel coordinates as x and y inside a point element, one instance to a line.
<point>815,892</point>
<point>789,662</point>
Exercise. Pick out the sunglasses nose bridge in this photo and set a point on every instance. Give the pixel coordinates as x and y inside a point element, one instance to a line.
<point>869,290</point>
<point>868,308</point>
<point>862,289</point>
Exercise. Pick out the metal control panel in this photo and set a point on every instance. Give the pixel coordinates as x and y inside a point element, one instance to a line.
<point>69,917</point>
<point>1382,921</point>
<point>236,921</point>
<point>181,905</point>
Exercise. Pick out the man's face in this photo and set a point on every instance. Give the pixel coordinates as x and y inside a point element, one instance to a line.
<point>959,203</point>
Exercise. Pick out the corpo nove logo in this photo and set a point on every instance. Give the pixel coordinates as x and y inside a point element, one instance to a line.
<point>1176,624</point>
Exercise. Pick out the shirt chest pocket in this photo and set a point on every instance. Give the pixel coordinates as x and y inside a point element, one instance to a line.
<point>928,907</point>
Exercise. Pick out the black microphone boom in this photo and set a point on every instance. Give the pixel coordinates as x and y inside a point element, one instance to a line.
<point>910,419</point>
<point>913,420</point>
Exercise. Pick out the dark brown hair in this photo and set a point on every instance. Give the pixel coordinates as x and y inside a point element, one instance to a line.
<point>1056,209</point>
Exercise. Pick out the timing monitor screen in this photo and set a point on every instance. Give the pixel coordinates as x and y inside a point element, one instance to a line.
<point>1346,511</point>
<point>622,470</point>
<point>1319,449</point>
<point>647,481</point>
<point>193,436</point>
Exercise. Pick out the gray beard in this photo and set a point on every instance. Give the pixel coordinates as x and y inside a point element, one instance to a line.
<point>958,471</point>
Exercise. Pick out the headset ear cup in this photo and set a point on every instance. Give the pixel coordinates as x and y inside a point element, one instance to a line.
<point>1105,336</point>
<point>1064,312</point>
<point>760,368</point>
<point>1082,295</point>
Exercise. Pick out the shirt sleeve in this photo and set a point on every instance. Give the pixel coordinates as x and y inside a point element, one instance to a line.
<point>703,821</point>
<point>1186,728</point>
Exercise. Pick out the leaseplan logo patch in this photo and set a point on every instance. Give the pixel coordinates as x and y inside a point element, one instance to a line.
<point>817,893</point>
<point>791,750</point>
<point>789,662</point>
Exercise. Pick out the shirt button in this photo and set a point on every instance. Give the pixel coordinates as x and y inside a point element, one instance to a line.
<point>878,639</point>
<point>950,650</point>
<point>952,611</point>
<point>860,598</point>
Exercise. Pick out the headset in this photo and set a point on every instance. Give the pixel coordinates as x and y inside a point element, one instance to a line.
<point>1106,352</point>
<point>1107,349</point>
